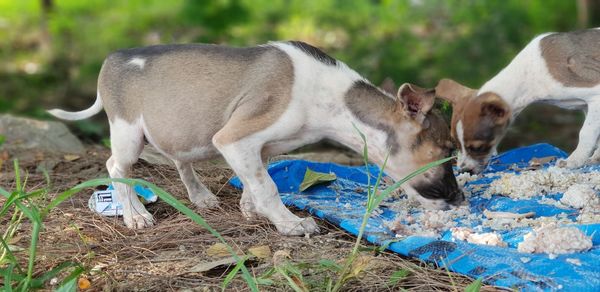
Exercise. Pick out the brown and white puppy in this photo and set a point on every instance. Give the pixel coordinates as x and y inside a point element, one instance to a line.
<point>557,68</point>
<point>195,102</point>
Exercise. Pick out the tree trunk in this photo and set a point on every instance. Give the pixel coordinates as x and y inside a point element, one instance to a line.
<point>45,38</point>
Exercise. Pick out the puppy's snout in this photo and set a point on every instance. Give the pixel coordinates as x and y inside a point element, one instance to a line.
<point>463,168</point>
<point>442,188</point>
<point>456,198</point>
<point>470,169</point>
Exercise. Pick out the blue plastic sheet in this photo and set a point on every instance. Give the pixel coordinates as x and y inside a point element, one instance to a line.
<point>498,266</point>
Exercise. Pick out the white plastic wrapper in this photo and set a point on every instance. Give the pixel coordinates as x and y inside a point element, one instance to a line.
<point>105,202</point>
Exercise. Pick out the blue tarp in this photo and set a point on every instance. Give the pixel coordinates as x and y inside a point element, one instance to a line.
<point>498,266</point>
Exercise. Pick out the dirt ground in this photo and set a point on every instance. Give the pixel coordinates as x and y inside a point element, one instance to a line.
<point>160,258</point>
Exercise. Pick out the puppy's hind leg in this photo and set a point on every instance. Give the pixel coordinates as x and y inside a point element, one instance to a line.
<point>199,194</point>
<point>126,143</point>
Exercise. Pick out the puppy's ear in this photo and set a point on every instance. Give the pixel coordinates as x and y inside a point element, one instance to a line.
<point>415,101</point>
<point>453,91</point>
<point>495,107</point>
<point>388,85</point>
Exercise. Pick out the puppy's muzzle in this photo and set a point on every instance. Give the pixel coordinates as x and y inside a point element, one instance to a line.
<point>445,188</point>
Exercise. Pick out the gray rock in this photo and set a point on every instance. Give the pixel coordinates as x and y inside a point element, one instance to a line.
<point>28,135</point>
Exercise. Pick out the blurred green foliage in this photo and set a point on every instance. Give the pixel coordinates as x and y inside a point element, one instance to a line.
<point>51,55</point>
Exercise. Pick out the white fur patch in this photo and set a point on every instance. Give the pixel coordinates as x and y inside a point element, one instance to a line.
<point>140,62</point>
<point>464,160</point>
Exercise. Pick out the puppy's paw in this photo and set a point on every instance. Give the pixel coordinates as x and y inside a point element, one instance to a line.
<point>248,209</point>
<point>301,227</point>
<point>140,220</point>
<point>205,201</point>
<point>570,163</point>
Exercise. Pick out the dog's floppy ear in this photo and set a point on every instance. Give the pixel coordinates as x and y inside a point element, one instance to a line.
<point>416,101</point>
<point>388,85</point>
<point>495,107</point>
<point>453,91</point>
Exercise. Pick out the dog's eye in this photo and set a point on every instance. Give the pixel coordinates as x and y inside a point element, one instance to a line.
<point>482,149</point>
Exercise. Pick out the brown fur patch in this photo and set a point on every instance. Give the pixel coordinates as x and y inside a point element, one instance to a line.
<point>374,108</point>
<point>434,141</point>
<point>573,58</point>
<point>484,117</point>
<point>187,93</point>
<point>388,85</point>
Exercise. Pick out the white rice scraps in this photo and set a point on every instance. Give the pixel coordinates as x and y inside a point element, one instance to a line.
<point>500,224</point>
<point>531,183</point>
<point>429,223</point>
<point>584,197</point>
<point>555,240</point>
<point>469,235</point>
<point>464,178</point>
<point>580,196</point>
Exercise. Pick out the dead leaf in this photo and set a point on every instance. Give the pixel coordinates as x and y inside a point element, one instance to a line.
<point>3,157</point>
<point>299,283</point>
<point>207,266</point>
<point>39,156</point>
<point>219,250</point>
<point>98,268</point>
<point>281,257</point>
<point>538,162</point>
<point>15,239</point>
<point>71,157</point>
<point>261,252</point>
<point>15,248</point>
<point>84,283</point>
<point>360,264</point>
<point>312,178</point>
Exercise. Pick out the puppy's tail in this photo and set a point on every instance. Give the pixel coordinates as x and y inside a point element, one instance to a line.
<point>80,115</point>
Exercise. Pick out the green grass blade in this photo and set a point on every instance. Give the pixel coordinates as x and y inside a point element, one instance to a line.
<point>69,284</point>
<point>17,175</point>
<point>11,257</point>
<point>12,198</point>
<point>35,234</point>
<point>32,213</point>
<point>199,220</point>
<point>233,272</point>
<point>475,286</point>
<point>397,276</point>
<point>265,282</point>
<point>39,281</point>
<point>15,196</point>
<point>166,197</point>
<point>365,157</point>
<point>374,202</point>
<point>7,274</point>
<point>4,193</point>
<point>329,265</point>
<point>64,196</point>
<point>384,194</point>
<point>291,282</point>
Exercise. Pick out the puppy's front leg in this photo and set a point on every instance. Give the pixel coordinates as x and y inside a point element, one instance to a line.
<point>588,136</point>
<point>260,192</point>
<point>135,215</point>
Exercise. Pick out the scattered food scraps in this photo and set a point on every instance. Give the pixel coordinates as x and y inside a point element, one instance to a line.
<point>580,195</point>
<point>468,235</point>
<point>573,261</point>
<point>507,215</point>
<point>555,240</point>
<point>532,183</point>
